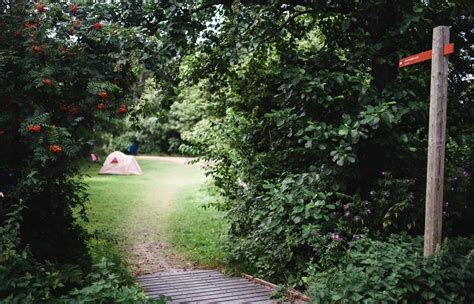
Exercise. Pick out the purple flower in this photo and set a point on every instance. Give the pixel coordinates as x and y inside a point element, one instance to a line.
<point>355,236</point>
<point>347,214</point>
<point>336,236</point>
<point>446,204</point>
<point>382,173</point>
<point>369,211</point>
<point>345,206</point>
<point>466,173</point>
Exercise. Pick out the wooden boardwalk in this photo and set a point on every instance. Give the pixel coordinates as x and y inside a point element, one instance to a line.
<point>203,286</point>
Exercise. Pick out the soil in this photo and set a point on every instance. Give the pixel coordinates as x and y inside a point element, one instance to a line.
<point>148,250</point>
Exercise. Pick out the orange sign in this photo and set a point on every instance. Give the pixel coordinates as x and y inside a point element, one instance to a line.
<point>426,55</point>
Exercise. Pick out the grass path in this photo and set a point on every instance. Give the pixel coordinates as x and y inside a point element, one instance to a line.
<point>147,213</point>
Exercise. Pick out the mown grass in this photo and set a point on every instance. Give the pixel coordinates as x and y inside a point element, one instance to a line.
<point>164,204</point>
<point>196,229</point>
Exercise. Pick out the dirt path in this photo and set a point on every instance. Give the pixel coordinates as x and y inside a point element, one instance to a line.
<point>149,251</point>
<point>137,208</point>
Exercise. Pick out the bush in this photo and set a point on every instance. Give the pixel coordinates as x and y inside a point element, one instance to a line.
<point>25,280</point>
<point>396,272</point>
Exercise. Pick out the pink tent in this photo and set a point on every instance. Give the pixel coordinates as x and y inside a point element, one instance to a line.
<point>119,163</point>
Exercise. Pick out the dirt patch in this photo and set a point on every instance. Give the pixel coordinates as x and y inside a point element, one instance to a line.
<point>153,257</point>
<point>147,245</point>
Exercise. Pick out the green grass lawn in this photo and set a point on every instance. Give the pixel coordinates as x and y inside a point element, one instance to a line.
<point>165,204</point>
<point>196,229</point>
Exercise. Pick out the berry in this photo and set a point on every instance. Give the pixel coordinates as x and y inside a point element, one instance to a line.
<point>55,148</point>
<point>97,26</point>
<point>73,8</point>
<point>101,106</point>
<point>47,82</point>
<point>103,94</point>
<point>18,34</point>
<point>34,128</point>
<point>73,109</point>
<point>31,25</point>
<point>36,48</point>
<point>41,8</point>
<point>122,109</point>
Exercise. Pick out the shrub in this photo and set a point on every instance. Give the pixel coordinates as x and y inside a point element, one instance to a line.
<point>396,272</point>
<point>25,280</point>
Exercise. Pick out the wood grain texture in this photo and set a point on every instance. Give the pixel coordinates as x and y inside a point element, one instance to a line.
<point>436,141</point>
<point>204,286</point>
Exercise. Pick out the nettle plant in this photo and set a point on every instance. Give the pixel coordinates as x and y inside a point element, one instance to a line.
<point>63,70</point>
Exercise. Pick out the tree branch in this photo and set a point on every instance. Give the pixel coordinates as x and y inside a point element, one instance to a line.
<point>291,18</point>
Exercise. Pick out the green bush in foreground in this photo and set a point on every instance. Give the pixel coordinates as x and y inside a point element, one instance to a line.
<point>396,272</point>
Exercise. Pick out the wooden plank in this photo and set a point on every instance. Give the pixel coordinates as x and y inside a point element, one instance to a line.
<point>205,288</point>
<point>180,293</point>
<point>185,279</point>
<point>187,283</point>
<point>290,293</point>
<point>174,275</point>
<point>172,290</point>
<point>436,141</point>
<point>210,293</point>
<point>228,296</point>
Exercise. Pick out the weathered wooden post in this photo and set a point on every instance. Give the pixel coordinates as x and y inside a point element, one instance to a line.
<point>436,141</point>
<point>437,133</point>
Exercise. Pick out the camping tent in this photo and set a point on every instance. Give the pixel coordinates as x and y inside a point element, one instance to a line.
<point>119,163</point>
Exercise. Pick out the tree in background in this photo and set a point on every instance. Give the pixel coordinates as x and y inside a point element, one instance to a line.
<point>317,137</point>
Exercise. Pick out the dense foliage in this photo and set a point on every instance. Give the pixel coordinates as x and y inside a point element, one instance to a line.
<point>395,272</point>
<point>317,137</point>
<point>64,69</point>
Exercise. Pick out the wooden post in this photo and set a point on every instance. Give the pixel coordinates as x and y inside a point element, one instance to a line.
<point>436,141</point>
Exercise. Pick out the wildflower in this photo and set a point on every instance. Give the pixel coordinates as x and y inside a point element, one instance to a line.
<point>382,173</point>
<point>446,204</point>
<point>369,211</point>
<point>347,214</point>
<point>355,236</point>
<point>412,195</point>
<point>372,193</point>
<point>345,206</point>
<point>336,237</point>
<point>466,173</point>
<point>356,218</point>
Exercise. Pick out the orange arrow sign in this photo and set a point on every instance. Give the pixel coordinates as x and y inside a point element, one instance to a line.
<point>426,55</point>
